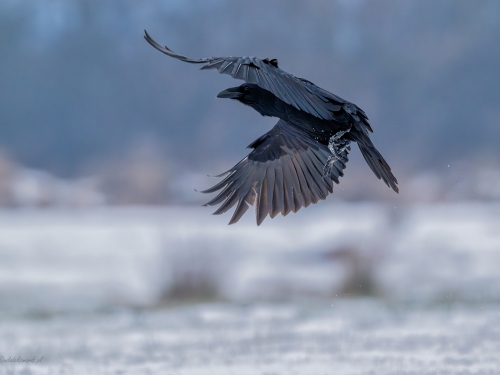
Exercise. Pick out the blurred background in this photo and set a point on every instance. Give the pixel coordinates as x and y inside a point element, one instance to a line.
<point>103,140</point>
<point>92,115</point>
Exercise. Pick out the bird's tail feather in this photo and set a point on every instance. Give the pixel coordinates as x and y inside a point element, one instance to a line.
<point>375,160</point>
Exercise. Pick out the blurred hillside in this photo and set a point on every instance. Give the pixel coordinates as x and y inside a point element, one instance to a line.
<point>84,99</point>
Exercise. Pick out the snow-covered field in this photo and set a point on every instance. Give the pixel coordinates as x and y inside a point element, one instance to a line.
<point>177,291</point>
<point>342,337</point>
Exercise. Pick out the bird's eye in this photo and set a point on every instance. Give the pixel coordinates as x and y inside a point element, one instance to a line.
<point>247,88</point>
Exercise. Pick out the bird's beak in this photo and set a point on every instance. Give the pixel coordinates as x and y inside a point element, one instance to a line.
<point>232,93</point>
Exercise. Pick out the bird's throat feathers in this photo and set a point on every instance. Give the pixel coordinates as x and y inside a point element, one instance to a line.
<point>263,101</point>
<point>265,108</point>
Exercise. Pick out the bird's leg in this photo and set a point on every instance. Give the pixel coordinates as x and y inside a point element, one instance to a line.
<point>339,148</point>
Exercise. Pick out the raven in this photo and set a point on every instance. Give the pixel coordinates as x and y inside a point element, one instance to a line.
<point>297,161</point>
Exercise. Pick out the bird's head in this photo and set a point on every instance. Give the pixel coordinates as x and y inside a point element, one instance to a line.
<point>247,93</point>
<point>254,96</point>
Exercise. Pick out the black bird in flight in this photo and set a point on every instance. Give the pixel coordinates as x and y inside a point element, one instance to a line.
<point>297,161</point>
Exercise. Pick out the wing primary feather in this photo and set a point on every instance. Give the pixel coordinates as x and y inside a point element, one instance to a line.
<point>317,178</point>
<point>240,210</point>
<point>241,72</point>
<point>237,66</point>
<point>288,204</point>
<point>220,197</point>
<point>305,190</point>
<point>306,182</point>
<point>231,170</point>
<point>246,68</point>
<point>213,64</point>
<point>317,173</point>
<point>223,183</point>
<point>266,195</point>
<point>258,79</point>
<point>225,65</point>
<point>228,203</point>
<point>278,192</point>
<point>296,191</point>
<point>171,53</point>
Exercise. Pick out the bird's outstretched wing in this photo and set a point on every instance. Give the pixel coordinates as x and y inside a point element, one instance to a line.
<point>283,173</point>
<point>300,93</point>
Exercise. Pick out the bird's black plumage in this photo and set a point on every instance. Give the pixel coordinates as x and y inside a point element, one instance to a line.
<point>295,163</point>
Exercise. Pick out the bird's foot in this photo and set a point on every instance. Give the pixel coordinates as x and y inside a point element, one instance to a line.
<point>339,148</point>
<point>329,165</point>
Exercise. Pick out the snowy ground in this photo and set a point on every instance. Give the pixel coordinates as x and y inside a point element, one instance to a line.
<point>98,291</point>
<point>342,337</point>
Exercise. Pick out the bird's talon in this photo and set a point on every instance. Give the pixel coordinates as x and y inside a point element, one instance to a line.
<point>327,169</point>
